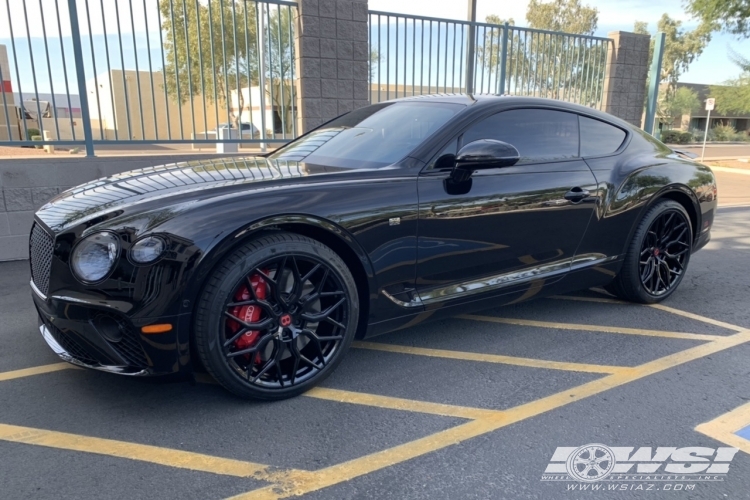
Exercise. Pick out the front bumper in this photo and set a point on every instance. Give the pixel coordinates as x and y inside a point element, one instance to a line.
<point>66,356</point>
<point>93,336</point>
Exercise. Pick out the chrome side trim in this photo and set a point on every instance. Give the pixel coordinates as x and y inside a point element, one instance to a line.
<point>66,356</point>
<point>490,283</point>
<point>37,291</point>
<point>415,302</point>
<point>590,259</point>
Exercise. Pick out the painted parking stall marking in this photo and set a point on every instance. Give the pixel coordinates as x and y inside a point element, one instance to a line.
<point>36,370</point>
<point>732,429</point>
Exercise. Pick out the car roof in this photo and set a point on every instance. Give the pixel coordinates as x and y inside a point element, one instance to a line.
<point>481,100</point>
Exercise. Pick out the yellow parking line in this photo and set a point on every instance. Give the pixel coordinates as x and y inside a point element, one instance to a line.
<point>490,358</point>
<point>296,485</point>
<point>697,317</point>
<point>392,403</point>
<point>145,453</point>
<point>661,307</point>
<point>723,428</point>
<point>592,328</point>
<point>36,370</point>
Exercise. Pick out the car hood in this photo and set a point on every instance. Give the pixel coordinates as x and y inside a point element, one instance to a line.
<point>155,187</point>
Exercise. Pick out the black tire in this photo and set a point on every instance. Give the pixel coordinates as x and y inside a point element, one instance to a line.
<point>669,255</point>
<point>302,352</point>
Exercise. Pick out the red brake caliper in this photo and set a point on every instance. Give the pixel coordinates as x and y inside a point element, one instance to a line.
<point>248,314</point>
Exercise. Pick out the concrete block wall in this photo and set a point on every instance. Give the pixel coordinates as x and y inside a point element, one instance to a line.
<point>333,59</point>
<point>626,74</point>
<point>27,184</point>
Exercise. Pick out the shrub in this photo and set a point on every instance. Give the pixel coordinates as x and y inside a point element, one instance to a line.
<point>676,137</point>
<point>724,133</point>
<point>697,134</point>
<point>37,138</point>
<point>31,132</point>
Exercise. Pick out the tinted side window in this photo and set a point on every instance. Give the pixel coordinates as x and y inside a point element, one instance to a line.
<point>538,134</point>
<point>599,138</point>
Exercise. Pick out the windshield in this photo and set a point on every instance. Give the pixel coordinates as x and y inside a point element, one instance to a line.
<point>374,136</point>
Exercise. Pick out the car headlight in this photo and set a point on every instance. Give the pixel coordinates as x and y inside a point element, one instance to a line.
<point>147,249</point>
<point>94,256</point>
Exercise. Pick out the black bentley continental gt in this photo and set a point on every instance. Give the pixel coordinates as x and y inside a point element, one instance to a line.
<point>263,270</point>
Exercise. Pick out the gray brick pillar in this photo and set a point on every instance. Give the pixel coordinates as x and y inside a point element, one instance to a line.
<point>625,78</point>
<point>332,59</point>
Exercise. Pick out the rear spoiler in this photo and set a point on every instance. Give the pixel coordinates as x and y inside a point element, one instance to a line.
<point>687,154</point>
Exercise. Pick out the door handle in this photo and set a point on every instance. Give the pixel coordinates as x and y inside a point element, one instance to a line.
<point>577,194</point>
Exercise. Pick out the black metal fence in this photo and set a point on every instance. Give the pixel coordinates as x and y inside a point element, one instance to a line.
<point>167,71</point>
<point>413,55</point>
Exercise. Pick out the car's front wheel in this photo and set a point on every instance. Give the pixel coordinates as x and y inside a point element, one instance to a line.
<point>658,256</point>
<point>276,317</point>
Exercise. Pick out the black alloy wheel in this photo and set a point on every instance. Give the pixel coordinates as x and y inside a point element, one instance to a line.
<point>276,317</point>
<point>664,252</point>
<point>658,256</point>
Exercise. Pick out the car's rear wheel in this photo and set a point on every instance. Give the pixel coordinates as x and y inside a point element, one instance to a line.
<point>658,256</point>
<point>276,317</point>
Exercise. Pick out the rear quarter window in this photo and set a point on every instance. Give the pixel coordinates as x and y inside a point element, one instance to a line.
<point>599,138</point>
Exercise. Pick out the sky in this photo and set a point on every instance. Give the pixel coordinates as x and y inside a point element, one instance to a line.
<point>712,67</point>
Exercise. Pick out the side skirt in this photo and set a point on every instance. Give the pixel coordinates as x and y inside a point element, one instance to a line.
<point>588,276</point>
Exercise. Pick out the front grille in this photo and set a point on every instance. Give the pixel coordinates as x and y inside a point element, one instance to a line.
<point>41,245</point>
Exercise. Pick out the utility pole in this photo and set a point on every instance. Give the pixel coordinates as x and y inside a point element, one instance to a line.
<point>471,46</point>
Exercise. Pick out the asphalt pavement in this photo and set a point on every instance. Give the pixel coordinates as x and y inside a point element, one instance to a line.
<point>470,407</point>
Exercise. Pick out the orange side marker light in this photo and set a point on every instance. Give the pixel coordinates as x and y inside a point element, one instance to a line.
<point>160,328</point>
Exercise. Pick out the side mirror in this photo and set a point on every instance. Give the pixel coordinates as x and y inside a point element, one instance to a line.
<point>486,153</point>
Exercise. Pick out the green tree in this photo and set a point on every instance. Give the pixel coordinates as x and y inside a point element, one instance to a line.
<point>740,60</point>
<point>280,62</point>
<point>734,95</point>
<point>489,53</point>
<point>732,16</point>
<point>569,16</point>
<point>571,68</point>
<point>548,65</point>
<point>206,49</point>
<point>212,49</point>
<point>672,105</point>
<point>681,47</point>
